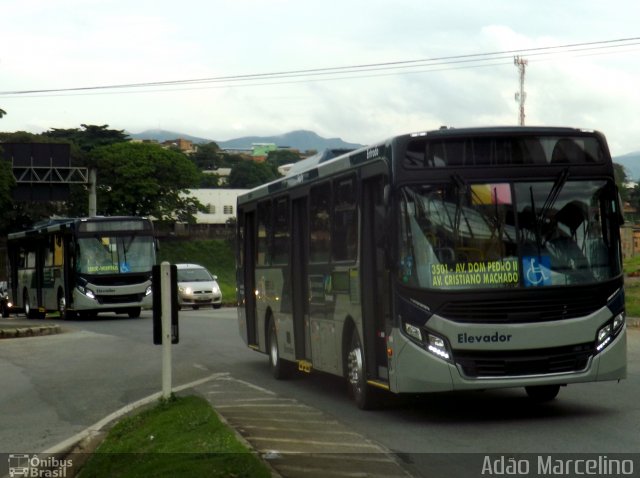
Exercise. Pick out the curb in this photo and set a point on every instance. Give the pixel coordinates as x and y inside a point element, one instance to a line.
<point>34,331</point>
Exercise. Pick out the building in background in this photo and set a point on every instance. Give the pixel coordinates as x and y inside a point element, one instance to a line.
<point>220,216</point>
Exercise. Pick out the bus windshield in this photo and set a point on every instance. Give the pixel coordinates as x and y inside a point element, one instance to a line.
<point>508,234</point>
<point>100,255</point>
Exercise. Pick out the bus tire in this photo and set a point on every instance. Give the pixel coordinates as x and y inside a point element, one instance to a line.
<point>28,312</point>
<point>5,309</point>
<point>359,390</point>
<point>280,369</point>
<point>62,305</point>
<point>542,393</point>
<point>134,313</point>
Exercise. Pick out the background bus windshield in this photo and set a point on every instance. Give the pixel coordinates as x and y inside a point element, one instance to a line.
<point>505,235</point>
<point>114,254</point>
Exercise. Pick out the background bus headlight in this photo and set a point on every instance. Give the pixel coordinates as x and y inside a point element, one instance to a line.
<point>88,292</point>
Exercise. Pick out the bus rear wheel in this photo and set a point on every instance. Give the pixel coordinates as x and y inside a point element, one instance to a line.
<point>359,390</point>
<point>542,393</point>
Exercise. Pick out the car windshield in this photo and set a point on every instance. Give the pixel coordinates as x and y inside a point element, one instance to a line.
<point>115,254</point>
<point>506,235</point>
<point>194,275</point>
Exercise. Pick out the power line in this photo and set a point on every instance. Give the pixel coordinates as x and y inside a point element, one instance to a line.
<point>342,72</point>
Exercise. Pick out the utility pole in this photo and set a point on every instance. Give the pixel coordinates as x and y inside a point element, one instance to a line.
<point>521,95</point>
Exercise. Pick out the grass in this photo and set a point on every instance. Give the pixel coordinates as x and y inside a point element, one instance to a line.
<point>178,437</point>
<point>217,256</point>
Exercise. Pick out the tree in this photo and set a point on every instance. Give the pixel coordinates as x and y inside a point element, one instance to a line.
<point>7,183</point>
<point>283,156</point>
<point>249,174</point>
<point>207,157</point>
<point>90,137</point>
<point>142,179</point>
<point>2,112</point>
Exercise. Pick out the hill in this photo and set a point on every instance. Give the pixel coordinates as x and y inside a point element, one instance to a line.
<point>631,164</point>
<point>161,135</point>
<point>302,140</point>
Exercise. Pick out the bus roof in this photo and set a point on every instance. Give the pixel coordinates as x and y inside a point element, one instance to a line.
<point>327,162</point>
<point>60,224</point>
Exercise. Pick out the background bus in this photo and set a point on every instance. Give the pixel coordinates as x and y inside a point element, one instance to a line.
<point>82,266</point>
<point>455,259</point>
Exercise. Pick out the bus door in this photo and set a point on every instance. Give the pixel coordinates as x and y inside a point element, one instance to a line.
<point>299,279</point>
<point>375,300</point>
<point>249,270</point>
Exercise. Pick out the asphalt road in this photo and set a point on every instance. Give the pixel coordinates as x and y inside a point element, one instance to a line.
<point>55,386</point>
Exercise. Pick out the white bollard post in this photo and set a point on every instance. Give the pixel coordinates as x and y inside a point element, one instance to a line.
<point>165,287</point>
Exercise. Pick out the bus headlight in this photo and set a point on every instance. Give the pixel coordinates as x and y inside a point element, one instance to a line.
<point>438,346</point>
<point>432,342</point>
<point>148,291</point>
<point>609,331</point>
<point>86,291</point>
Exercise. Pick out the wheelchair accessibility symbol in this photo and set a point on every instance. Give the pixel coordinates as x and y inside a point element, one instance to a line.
<point>537,271</point>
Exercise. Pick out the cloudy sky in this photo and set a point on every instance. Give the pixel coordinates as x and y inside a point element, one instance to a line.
<point>432,63</point>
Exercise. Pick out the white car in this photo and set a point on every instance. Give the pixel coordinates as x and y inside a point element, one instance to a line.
<point>197,287</point>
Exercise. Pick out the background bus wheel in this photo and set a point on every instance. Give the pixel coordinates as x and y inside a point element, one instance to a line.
<point>363,395</point>
<point>279,368</point>
<point>134,313</point>
<point>28,313</point>
<point>62,306</point>
<point>542,393</point>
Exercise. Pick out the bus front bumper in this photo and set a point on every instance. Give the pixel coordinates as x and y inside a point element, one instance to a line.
<point>422,372</point>
<point>111,303</point>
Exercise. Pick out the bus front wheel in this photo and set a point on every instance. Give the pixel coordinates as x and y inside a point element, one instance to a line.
<point>359,390</point>
<point>280,369</point>
<point>134,313</point>
<point>63,310</point>
<point>542,393</point>
<point>28,313</point>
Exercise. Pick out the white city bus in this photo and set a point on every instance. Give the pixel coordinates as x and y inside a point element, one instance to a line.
<point>454,259</point>
<point>80,267</point>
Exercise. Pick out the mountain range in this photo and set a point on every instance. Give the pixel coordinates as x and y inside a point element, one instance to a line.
<point>302,140</point>
<point>631,164</point>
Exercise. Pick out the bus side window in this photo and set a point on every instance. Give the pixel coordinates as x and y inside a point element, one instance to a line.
<point>31,260</point>
<point>320,223</point>
<point>281,231</point>
<point>345,220</point>
<point>265,233</point>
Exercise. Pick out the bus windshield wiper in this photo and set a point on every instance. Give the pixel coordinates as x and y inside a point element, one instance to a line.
<point>558,184</point>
